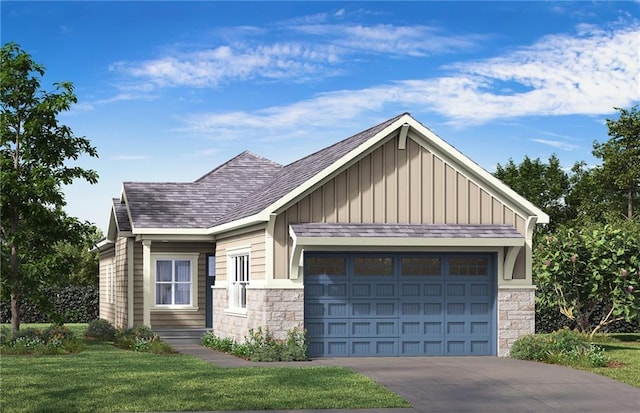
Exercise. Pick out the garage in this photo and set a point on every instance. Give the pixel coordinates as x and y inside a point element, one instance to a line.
<point>400,304</point>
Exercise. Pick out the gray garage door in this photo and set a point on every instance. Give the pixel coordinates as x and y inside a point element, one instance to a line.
<point>400,304</point>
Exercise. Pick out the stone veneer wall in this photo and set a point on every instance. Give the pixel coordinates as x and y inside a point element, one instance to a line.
<point>516,316</point>
<point>278,310</point>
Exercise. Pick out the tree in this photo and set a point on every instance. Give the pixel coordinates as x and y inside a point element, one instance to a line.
<point>590,274</point>
<point>544,184</point>
<point>620,170</point>
<point>34,153</point>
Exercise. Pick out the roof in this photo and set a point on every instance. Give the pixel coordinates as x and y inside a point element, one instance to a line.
<point>122,217</point>
<point>247,188</point>
<point>337,230</point>
<point>202,203</point>
<point>298,172</point>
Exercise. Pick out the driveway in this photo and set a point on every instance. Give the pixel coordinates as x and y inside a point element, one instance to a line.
<point>491,384</point>
<point>471,384</point>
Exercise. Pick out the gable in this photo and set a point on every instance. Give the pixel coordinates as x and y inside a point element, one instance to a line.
<point>416,185</point>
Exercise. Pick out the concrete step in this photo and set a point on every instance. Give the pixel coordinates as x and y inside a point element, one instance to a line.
<point>181,336</point>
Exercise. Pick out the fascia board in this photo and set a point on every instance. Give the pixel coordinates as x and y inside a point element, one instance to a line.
<point>170,231</point>
<point>103,245</point>
<point>462,159</point>
<point>176,237</point>
<point>337,165</point>
<point>256,219</point>
<point>409,242</point>
<point>112,228</point>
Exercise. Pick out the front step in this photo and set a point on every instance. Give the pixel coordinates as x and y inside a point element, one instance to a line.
<point>181,336</point>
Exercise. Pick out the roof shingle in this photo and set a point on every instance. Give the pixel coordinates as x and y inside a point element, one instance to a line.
<point>337,230</point>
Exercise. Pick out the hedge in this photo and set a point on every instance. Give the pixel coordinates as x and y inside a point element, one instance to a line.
<point>72,304</point>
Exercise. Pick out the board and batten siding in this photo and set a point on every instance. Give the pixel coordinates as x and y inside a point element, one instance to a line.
<point>186,318</point>
<point>389,185</point>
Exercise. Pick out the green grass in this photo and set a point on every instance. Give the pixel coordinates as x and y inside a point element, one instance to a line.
<point>624,349</point>
<point>106,379</point>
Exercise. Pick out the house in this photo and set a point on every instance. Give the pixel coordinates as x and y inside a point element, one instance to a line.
<point>388,243</point>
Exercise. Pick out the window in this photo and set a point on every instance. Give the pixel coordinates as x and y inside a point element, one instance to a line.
<point>111,283</point>
<point>420,266</point>
<point>173,280</point>
<point>468,265</point>
<point>238,279</point>
<point>373,266</point>
<point>325,266</point>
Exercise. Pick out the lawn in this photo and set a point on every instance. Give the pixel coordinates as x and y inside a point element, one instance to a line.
<point>106,379</point>
<point>623,349</point>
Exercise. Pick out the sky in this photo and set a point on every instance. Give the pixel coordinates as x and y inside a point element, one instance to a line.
<point>167,91</point>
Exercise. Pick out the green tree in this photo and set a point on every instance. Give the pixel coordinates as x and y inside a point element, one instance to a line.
<point>620,169</point>
<point>544,184</point>
<point>34,151</point>
<point>590,274</point>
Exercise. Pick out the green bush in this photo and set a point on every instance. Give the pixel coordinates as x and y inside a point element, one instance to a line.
<point>56,339</point>
<point>560,347</point>
<point>142,339</point>
<point>260,345</point>
<point>71,304</point>
<point>101,330</point>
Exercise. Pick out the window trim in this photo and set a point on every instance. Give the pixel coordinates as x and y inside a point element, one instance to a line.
<point>110,282</point>
<point>232,254</point>
<point>193,258</point>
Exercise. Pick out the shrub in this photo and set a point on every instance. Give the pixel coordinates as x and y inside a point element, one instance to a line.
<point>142,339</point>
<point>560,347</point>
<point>209,339</point>
<point>56,339</point>
<point>260,345</point>
<point>101,330</point>
<point>71,304</point>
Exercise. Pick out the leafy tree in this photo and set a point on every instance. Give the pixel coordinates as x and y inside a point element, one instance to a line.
<point>590,274</point>
<point>620,169</point>
<point>34,151</point>
<point>80,264</point>
<point>544,184</point>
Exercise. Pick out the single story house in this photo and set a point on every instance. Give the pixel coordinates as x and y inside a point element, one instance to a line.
<point>388,243</point>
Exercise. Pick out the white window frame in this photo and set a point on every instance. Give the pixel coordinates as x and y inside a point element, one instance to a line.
<point>111,282</point>
<point>193,267</point>
<point>238,288</point>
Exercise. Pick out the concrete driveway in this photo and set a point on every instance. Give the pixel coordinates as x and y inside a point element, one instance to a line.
<point>491,384</point>
<point>471,384</point>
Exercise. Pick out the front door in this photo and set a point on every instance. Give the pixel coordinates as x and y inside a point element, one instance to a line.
<point>211,281</point>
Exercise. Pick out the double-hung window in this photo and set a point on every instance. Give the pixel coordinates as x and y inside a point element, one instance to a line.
<point>174,281</point>
<point>238,279</point>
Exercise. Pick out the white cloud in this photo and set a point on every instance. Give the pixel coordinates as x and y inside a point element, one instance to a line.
<point>556,144</point>
<point>210,67</point>
<point>559,75</point>
<point>390,39</point>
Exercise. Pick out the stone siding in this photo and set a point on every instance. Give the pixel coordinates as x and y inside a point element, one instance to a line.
<point>278,310</point>
<point>516,316</point>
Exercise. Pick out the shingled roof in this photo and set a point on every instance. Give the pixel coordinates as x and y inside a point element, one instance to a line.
<point>122,217</point>
<point>298,172</point>
<point>333,230</point>
<point>202,203</point>
<point>241,187</point>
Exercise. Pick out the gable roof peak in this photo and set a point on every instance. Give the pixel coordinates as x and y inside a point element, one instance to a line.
<point>241,158</point>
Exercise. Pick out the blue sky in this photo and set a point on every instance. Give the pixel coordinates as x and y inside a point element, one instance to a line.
<point>169,90</point>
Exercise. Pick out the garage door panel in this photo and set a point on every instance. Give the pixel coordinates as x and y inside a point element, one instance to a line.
<point>408,315</point>
<point>374,347</point>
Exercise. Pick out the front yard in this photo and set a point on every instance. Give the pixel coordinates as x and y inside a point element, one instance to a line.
<point>106,379</point>
<point>624,353</point>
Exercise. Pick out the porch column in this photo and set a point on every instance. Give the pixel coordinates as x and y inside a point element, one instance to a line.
<point>146,282</point>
